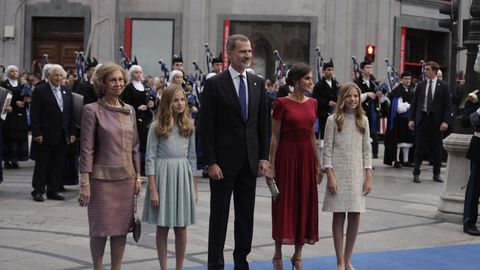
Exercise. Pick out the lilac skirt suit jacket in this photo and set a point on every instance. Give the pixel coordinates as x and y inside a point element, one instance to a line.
<point>109,142</point>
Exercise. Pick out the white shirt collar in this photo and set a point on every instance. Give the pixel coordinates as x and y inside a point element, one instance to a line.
<point>235,73</point>
<point>13,83</point>
<point>53,87</point>
<point>138,85</point>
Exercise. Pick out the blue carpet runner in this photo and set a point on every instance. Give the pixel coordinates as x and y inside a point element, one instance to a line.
<point>461,257</point>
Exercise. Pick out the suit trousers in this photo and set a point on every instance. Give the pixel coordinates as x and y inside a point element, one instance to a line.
<point>472,195</point>
<point>242,185</point>
<point>48,169</point>
<point>427,137</point>
<point>374,137</point>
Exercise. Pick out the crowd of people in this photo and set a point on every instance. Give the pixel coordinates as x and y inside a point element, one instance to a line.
<point>236,127</point>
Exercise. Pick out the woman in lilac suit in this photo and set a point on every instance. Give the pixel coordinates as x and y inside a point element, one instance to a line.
<point>109,165</point>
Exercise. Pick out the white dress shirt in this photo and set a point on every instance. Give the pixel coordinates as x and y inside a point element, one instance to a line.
<point>58,96</point>
<point>329,82</point>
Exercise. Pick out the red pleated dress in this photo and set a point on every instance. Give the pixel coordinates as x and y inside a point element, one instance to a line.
<point>295,212</point>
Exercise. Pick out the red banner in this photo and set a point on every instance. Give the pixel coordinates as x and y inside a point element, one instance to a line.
<point>226,34</point>
<point>127,43</point>
<point>403,45</point>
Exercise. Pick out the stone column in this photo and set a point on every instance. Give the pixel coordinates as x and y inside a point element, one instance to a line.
<point>195,30</point>
<point>104,23</point>
<point>452,197</point>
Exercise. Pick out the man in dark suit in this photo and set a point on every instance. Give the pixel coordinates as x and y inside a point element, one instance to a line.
<point>430,113</point>
<point>471,118</point>
<point>53,128</point>
<point>233,124</point>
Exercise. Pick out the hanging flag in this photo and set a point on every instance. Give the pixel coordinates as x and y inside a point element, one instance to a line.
<point>279,67</point>
<point>424,77</point>
<point>476,66</point>
<point>124,61</point>
<point>3,76</point>
<point>356,68</point>
<point>319,64</point>
<point>198,79</point>
<point>208,58</point>
<point>45,60</point>
<point>163,67</point>
<point>392,76</point>
<point>79,65</point>
<point>81,62</point>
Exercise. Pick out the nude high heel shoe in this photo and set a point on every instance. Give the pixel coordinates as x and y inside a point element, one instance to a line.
<point>294,263</point>
<point>277,261</point>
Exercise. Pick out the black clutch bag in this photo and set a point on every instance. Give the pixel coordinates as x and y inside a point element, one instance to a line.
<point>136,227</point>
<point>273,189</point>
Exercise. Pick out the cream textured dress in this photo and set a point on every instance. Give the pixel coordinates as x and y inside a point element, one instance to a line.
<point>348,152</point>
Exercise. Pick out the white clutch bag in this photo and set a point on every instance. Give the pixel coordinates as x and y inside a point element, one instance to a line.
<point>273,189</point>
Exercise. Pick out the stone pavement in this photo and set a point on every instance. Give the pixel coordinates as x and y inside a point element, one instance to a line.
<point>54,235</point>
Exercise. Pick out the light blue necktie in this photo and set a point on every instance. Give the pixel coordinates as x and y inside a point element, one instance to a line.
<point>242,96</point>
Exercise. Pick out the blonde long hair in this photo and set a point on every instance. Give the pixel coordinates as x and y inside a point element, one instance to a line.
<point>165,120</point>
<point>339,112</point>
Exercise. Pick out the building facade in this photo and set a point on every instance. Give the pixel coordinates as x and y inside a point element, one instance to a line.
<point>404,31</point>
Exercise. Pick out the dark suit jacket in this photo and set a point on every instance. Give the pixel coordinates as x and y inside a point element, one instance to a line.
<point>323,93</point>
<point>442,104</point>
<point>85,89</point>
<point>472,119</point>
<point>46,118</point>
<point>226,139</point>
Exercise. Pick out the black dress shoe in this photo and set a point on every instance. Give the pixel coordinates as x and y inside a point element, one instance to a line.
<point>55,196</point>
<point>407,164</point>
<point>397,165</point>
<point>437,178</point>
<point>38,197</point>
<point>472,231</point>
<point>8,165</point>
<point>15,165</point>
<point>416,179</point>
<point>62,189</point>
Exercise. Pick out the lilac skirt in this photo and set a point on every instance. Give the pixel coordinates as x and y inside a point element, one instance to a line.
<point>110,210</point>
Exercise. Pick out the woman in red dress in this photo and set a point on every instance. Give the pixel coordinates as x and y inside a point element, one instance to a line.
<point>295,166</point>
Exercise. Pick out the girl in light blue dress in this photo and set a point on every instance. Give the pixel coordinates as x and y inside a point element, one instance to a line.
<point>171,196</point>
